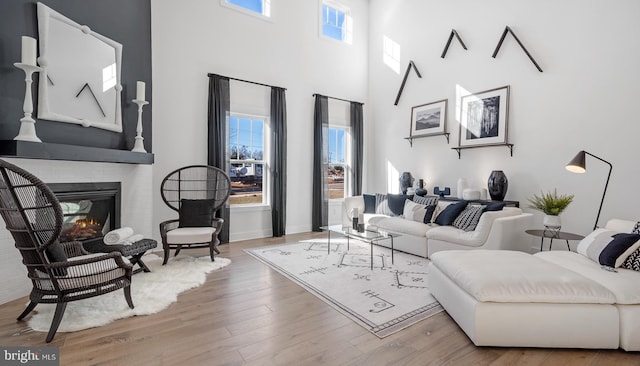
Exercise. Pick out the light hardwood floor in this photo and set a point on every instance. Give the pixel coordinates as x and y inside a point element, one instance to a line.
<point>248,314</point>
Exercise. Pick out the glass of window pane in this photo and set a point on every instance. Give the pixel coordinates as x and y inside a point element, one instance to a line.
<point>335,181</point>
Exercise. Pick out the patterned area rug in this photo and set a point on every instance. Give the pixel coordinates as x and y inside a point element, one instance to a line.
<point>384,300</point>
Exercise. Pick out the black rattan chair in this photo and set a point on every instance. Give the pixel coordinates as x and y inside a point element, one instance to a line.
<point>196,192</point>
<point>60,272</point>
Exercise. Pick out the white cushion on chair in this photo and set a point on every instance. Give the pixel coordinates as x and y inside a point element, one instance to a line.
<point>190,235</point>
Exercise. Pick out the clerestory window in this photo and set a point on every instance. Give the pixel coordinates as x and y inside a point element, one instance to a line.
<point>260,7</point>
<point>336,21</point>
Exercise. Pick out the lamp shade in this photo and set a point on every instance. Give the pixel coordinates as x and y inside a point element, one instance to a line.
<point>577,164</point>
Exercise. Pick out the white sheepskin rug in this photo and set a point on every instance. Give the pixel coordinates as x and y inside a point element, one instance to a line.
<point>151,293</point>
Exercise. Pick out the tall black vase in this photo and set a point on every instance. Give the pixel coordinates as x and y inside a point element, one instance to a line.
<point>497,185</point>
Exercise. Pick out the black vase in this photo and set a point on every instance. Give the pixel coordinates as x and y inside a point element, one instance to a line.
<point>497,185</point>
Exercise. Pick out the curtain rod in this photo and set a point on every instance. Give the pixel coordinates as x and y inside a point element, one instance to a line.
<point>247,81</point>
<point>344,100</point>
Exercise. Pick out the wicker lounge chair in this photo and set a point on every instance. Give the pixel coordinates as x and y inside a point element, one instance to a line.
<point>196,192</point>
<point>60,272</point>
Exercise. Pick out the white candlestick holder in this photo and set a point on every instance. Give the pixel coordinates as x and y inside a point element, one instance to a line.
<point>138,146</point>
<point>27,124</point>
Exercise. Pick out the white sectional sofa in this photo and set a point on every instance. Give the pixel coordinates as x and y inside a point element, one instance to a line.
<point>503,229</point>
<point>549,299</point>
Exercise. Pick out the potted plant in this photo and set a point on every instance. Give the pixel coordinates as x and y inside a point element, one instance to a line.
<point>551,204</point>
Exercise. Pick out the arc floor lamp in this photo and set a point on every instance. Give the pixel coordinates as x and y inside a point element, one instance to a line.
<point>578,165</point>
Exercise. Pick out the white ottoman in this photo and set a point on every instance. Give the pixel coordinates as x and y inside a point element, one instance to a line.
<point>514,299</point>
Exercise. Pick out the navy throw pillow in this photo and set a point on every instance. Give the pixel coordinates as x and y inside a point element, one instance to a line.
<point>396,203</point>
<point>55,253</point>
<point>429,214</point>
<point>196,213</point>
<point>619,244</point>
<point>449,214</point>
<point>369,203</point>
<point>494,206</point>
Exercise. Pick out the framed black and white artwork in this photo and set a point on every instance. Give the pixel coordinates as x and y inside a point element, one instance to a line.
<point>484,118</point>
<point>429,119</point>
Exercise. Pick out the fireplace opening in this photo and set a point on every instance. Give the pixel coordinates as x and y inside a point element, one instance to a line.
<point>90,210</point>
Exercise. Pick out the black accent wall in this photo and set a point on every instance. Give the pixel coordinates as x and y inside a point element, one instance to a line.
<point>125,21</point>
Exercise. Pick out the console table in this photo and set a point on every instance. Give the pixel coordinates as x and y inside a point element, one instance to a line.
<point>507,203</point>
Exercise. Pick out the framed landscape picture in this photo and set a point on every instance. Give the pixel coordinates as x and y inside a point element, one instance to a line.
<point>484,118</point>
<point>429,119</point>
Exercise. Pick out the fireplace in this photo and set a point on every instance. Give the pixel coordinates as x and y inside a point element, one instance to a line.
<point>90,209</point>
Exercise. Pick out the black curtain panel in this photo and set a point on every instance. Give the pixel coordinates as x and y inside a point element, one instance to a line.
<point>219,106</point>
<point>279,161</point>
<point>320,204</point>
<point>357,147</point>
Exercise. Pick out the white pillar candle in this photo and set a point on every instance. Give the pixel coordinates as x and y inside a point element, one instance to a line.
<point>140,90</point>
<point>29,50</point>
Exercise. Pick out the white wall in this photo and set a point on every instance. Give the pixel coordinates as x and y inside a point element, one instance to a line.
<point>191,39</point>
<point>136,207</point>
<point>584,100</point>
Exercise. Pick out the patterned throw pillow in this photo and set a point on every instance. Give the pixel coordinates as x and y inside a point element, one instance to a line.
<point>608,247</point>
<point>382,205</point>
<point>469,218</point>
<point>426,200</point>
<point>429,214</point>
<point>633,261</point>
<point>636,229</point>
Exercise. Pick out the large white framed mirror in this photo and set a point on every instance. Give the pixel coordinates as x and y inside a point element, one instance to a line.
<point>80,81</point>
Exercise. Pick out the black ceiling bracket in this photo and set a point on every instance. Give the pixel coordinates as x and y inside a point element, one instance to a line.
<point>404,81</point>
<point>504,34</point>
<point>446,47</point>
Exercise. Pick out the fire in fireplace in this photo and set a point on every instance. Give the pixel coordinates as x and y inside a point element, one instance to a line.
<point>90,209</point>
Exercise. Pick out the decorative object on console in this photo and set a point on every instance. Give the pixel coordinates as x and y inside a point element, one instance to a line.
<point>445,192</point>
<point>471,194</point>
<point>406,181</point>
<point>138,146</point>
<point>497,185</point>
<point>429,120</point>
<point>507,29</point>
<point>419,188</point>
<point>552,205</point>
<point>462,185</point>
<point>28,65</point>
<point>484,119</point>
<point>578,165</point>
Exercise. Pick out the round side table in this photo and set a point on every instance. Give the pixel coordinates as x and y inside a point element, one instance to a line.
<point>553,234</point>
